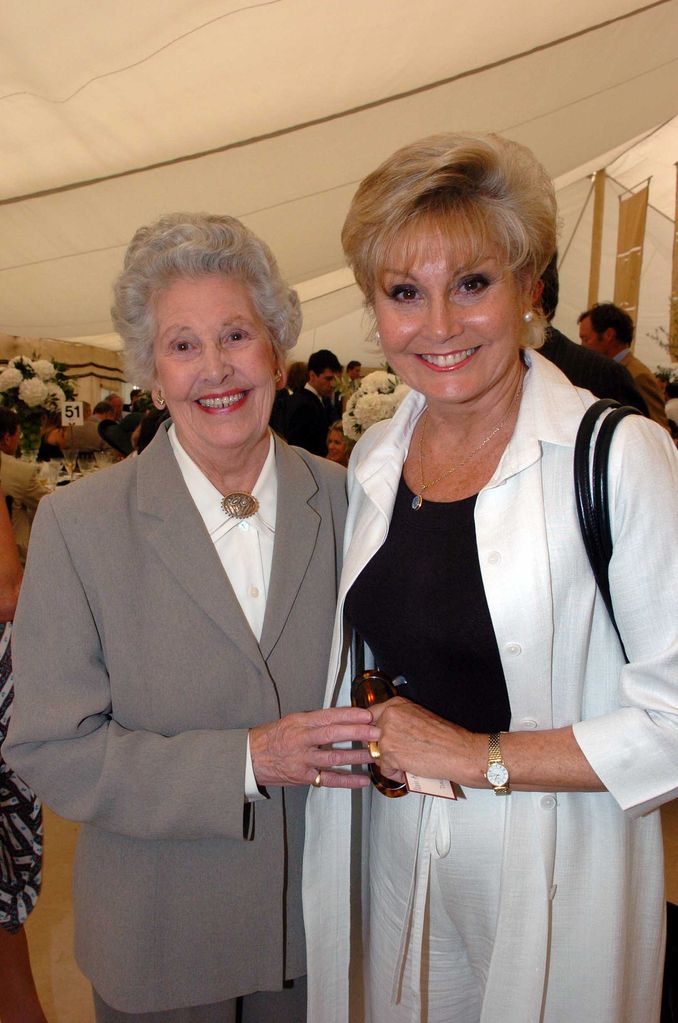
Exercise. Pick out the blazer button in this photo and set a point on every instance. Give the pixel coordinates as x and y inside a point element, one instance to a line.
<point>514,648</point>
<point>529,723</point>
<point>494,557</point>
<point>547,802</point>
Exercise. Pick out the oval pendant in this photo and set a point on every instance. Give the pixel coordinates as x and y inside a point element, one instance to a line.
<point>417,502</point>
<point>239,505</point>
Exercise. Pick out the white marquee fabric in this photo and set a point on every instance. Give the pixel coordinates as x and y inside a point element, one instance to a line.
<point>115,112</point>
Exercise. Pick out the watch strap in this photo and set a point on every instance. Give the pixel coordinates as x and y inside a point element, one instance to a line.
<point>494,758</point>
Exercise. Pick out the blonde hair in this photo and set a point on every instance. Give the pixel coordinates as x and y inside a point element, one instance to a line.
<point>483,194</point>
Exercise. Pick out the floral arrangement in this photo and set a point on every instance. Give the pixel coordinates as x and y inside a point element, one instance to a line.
<point>34,388</point>
<point>379,395</point>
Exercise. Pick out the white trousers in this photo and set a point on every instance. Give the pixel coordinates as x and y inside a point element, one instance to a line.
<point>435,868</point>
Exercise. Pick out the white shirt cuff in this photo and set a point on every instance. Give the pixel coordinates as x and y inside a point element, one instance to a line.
<point>252,790</point>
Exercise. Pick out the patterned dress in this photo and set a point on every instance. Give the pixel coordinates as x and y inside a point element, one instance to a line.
<point>20,818</point>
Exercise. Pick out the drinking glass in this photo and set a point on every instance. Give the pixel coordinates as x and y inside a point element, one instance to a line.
<point>70,460</point>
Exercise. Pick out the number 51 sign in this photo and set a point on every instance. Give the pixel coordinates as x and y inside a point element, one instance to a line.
<point>72,413</point>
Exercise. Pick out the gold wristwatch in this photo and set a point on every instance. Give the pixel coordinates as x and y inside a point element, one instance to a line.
<point>497,771</point>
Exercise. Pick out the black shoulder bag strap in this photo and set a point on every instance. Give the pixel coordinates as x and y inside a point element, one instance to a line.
<point>591,491</point>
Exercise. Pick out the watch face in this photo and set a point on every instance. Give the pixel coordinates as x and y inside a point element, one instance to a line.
<point>497,774</point>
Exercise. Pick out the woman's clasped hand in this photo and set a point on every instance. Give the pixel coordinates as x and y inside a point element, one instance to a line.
<point>299,747</point>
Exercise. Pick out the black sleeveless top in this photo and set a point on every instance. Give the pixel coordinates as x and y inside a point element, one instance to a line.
<point>420,606</point>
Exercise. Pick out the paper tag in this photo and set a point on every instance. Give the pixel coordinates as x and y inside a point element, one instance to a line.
<point>429,786</point>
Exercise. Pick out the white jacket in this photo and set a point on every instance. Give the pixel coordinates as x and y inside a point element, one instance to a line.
<point>563,665</point>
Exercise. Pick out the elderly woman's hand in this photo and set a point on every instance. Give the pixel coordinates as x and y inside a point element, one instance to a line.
<point>416,740</point>
<point>298,748</point>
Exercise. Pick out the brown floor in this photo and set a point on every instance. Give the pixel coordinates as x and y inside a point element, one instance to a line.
<point>65,993</point>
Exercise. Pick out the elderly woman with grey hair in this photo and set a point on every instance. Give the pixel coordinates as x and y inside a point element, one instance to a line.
<point>169,704</point>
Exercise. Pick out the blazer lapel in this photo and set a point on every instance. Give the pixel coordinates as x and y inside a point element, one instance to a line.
<point>296,534</point>
<point>173,526</point>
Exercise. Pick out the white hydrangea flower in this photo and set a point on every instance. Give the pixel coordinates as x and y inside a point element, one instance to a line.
<point>44,369</point>
<point>10,377</point>
<point>377,398</point>
<point>55,395</point>
<point>388,406</point>
<point>374,382</point>
<point>32,392</point>
<point>368,410</point>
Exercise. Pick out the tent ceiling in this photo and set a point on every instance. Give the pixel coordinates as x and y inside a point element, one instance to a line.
<point>292,102</point>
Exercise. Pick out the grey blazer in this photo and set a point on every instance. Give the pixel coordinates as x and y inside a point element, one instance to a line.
<point>137,678</point>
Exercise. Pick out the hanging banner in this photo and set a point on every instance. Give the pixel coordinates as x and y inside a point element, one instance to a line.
<point>673,311</point>
<point>630,238</point>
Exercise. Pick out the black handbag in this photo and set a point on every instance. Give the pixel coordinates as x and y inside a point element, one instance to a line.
<point>591,492</point>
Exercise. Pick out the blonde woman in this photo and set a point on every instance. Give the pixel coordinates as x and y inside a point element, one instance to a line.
<point>466,576</point>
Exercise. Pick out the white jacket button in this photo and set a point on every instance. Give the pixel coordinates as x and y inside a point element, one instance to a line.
<point>529,723</point>
<point>514,648</point>
<point>547,802</point>
<point>494,557</point>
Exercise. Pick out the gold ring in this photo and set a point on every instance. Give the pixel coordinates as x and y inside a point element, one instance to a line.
<point>317,781</point>
<point>373,747</point>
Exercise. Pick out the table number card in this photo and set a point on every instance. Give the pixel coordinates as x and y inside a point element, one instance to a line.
<point>72,413</point>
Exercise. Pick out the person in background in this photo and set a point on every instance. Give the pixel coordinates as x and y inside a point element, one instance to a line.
<point>184,738</point>
<point>582,366</point>
<point>148,427</point>
<point>117,434</point>
<point>134,394</point>
<point>338,444</point>
<point>20,821</point>
<point>21,481</point>
<point>306,422</point>
<point>297,376</point>
<point>86,438</point>
<point>354,371</point>
<point>116,402</point>
<point>607,329</point>
<point>465,575</point>
<point>52,439</point>
<point>334,402</point>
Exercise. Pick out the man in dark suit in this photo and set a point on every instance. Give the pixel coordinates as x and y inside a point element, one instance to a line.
<point>608,329</point>
<point>582,366</point>
<point>307,421</point>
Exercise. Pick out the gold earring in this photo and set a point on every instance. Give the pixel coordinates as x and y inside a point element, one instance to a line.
<point>159,400</point>
<point>278,376</point>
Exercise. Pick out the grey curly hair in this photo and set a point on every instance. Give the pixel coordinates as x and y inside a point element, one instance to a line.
<point>482,193</point>
<point>197,245</point>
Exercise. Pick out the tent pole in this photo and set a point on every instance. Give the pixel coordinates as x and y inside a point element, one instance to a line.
<point>673,310</point>
<point>596,235</point>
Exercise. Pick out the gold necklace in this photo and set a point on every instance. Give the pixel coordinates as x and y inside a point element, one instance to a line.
<point>418,499</point>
